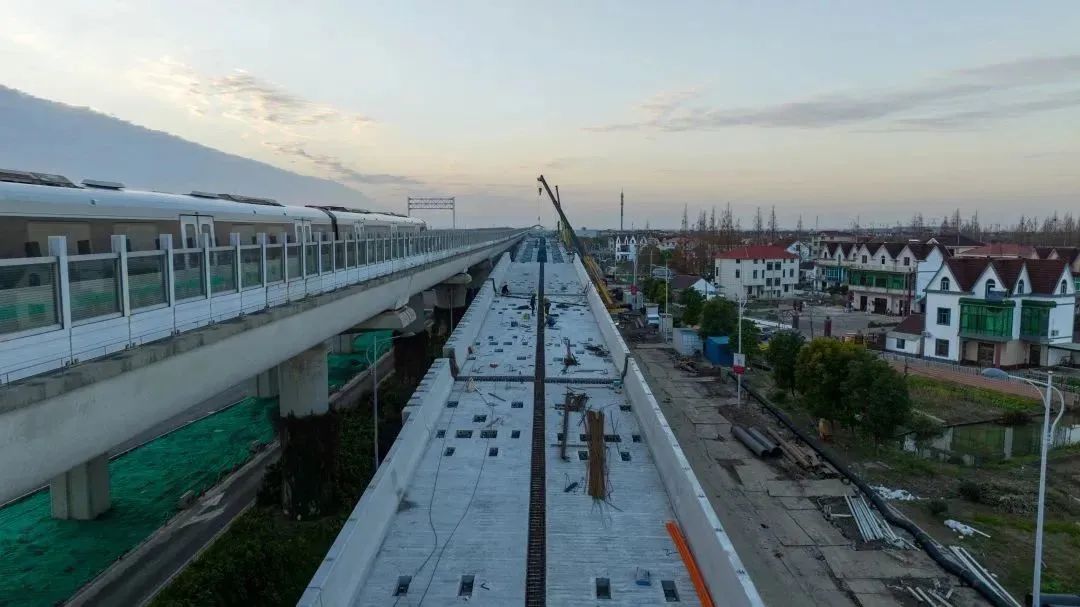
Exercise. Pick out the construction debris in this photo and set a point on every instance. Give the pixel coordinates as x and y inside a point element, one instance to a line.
<point>963,529</point>
<point>871,526</point>
<point>971,564</point>
<point>752,443</point>
<point>597,477</point>
<point>805,458</point>
<point>902,495</point>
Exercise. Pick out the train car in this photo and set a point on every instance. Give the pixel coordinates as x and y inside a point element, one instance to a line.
<point>35,206</point>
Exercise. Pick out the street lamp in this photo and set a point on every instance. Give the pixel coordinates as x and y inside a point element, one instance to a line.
<point>374,366</point>
<point>1047,436</point>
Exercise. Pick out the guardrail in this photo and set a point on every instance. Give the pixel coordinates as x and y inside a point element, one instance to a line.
<point>60,309</point>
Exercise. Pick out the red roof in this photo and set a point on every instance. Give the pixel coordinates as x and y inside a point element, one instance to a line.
<point>757,252</point>
<point>912,325</point>
<point>1002,249</point>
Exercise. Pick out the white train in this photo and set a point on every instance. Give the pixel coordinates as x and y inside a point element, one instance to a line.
<point>34,206</point>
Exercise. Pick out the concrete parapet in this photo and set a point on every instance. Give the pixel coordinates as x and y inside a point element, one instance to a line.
<point>347,564</point>
<point>467,329</point>
<point>614,341</point>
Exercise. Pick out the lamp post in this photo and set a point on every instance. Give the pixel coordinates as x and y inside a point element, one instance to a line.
<point>373,364</point>
<point>1047,436</point>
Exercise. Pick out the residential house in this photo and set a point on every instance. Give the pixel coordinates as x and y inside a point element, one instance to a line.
<point>1002,250</point>
<point>798,248</point>
<point>1001,312</point>
<point>891,277</point>
<point>907,337</point>
<point>954,242</point>
<point>757,271</point>
<point>832,263</point>
<point>683,282</point>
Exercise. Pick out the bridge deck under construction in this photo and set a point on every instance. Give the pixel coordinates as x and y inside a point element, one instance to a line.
<point>462,528</point>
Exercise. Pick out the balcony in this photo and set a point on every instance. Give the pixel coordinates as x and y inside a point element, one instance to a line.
<point>877,266</point>
<point>877,281</point>
<point>1035,321</point>
<point>987,320</point>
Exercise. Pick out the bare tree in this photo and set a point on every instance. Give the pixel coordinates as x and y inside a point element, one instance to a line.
<point>685,222</point>
<point>712,220</point>
<point>799,227</point>
<point>773,231</point>
<point>758,226</point>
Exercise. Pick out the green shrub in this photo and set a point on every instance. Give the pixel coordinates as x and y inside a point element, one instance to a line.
<point>971,491</point>
<point>924,427</point>
<point>938,507</point>
<point>778,396</point>
<point>1013,417</point>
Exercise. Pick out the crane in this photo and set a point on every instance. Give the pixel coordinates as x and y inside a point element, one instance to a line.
<point>571,240</point>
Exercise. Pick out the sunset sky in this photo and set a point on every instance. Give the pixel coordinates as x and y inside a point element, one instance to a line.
<point>826,110</point>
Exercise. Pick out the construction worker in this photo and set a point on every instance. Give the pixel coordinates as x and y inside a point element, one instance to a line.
<point>532,303</point>
<point>547,306</point>
<point>505,289</point>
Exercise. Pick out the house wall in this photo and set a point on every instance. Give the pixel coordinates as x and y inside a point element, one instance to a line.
<point>912,343</point>
<point>937,299</point>
<point>925,270</point>
<point>733,287</point>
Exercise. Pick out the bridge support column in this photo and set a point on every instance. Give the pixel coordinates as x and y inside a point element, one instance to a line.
<point>451,299</point>
<point>82,493</point>
<point>266,383</point>
<point>342,344</point>
<point>310,435</point>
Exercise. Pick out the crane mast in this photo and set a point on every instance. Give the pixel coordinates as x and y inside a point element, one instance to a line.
<point>571,240</point>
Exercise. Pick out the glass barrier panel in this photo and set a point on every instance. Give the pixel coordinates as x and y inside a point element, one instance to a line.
<point>325,250</point>
<point>250,267</point>
<point>311,259</point>
<point>188,279</point>
<point>339,255</point>
<point>94,287</point>
<point>275,269</point>
<point>28,297</point>
<point>222,271</point>
<point>350,253</point>
<point>293,254</point>
<point>147,281</point>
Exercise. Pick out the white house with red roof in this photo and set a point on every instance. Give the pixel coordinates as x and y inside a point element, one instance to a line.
<point>757,271</point>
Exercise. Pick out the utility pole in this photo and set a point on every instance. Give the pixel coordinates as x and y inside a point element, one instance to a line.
<point>621,201</point>
<point>738,393</point>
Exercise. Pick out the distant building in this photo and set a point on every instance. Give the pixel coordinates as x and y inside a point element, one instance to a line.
<point>624,247</point>
<point>799,248</point>
<point>954,242</point>
<point>891,277</point>
<point>832,261</point>
<point>1001,250</point>
<point>683,282</point>
<point>757,271</point>
<point>1001,312</point>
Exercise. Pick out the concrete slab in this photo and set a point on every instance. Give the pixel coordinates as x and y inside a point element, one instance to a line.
<point>877,600</point>
<point>867,587</point>
<point>846,563</point>
<point>820,530</point>
<point>809,488</point>
<point>797,503</point>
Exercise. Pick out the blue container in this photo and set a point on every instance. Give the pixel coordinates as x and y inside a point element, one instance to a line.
<point>718,351</point>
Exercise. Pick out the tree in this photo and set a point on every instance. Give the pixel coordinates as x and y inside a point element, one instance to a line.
<point>692,302</point>
<point>773,229</point>
<point>820,372</point>
<point>783,351</point>
<point>685,220</point>
<point>878,394</point>
<point>720,316</point>
<point>758,226</point>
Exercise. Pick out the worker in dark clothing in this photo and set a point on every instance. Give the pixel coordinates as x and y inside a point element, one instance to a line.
<point>532,303</point>
<point>547,306</point>
<point>505,290</point>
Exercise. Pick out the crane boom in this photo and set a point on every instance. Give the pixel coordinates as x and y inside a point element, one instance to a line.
<point>570,238</point>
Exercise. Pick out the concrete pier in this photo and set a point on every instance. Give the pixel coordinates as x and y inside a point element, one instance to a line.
<point>82,493</point>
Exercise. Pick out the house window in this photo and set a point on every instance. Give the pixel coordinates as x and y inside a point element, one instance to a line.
<point>991,284</point>
<point>882,260</point>
<point>941,347</point>
<point>1020,288</point>
<point>907,261</point>
<point>736,273</point>
<point>755,273</point>
<point>738,261</point>
<point>944,316</point>
<point>1064,287</point>
<point>864,258</point>
<point>944,284</point>
<point>900,343</point>
<point>786,288</point>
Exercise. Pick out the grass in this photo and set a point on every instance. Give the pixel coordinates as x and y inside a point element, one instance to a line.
<point>935,393</point>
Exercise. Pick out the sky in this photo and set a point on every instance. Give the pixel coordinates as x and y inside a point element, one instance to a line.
<point>829,111</point>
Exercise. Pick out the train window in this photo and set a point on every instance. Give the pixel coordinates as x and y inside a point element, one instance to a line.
<point>246,232</point>
<point>40,231</point>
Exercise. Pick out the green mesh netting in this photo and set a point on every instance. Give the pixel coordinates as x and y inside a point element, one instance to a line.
<point>43,561</point>
<point>366,347</point>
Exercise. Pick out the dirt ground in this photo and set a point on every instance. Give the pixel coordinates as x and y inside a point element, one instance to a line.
<point>1006,494</point>
<point>774,511</point>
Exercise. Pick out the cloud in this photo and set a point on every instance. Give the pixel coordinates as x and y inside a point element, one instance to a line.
<point>337,168</point>
<point>240,96</point>
<point>927,106</point>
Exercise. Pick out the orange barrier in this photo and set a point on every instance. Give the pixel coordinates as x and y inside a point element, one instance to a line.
<point>691,564</point>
